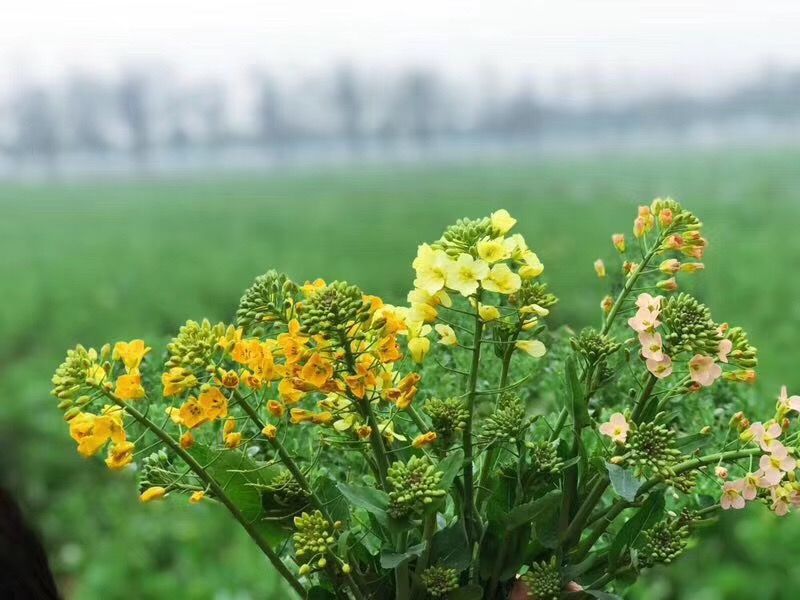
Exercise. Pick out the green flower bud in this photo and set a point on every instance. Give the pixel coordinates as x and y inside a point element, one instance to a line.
<point>333,310</point>
<point>77,373</point>
<point>414,486</point>
<point>544,581</point>
<point>448,418</point>
<point>313,536</point>
<point>663,542</point>
<point>593,346</point>
<point>689,327</point>
<point>464,236</point>
<point>439,581</point>
<point>194,346</point>
<point>508,423</point>
<point>266,302</point>
<point>653,445</point>
<point>285,491</point>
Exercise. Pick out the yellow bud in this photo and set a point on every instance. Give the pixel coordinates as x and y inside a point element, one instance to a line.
<point>600,268</point>
<point>618,239</point>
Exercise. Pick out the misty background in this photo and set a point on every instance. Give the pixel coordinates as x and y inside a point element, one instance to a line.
<point>105,89</point>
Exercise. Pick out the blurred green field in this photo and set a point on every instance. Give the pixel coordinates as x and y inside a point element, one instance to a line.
<point>97,262</point>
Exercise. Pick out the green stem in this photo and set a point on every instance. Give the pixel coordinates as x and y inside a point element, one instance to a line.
<point>470,517</point>
<point>574,530</point>
<point>375,436</point>
<point>401,581</point>
<point>494,450</point>
<point>641,402</point>
<point>219,493</point>
<point>620,505</point>
<point>297,473</point>
<point>629,284</point>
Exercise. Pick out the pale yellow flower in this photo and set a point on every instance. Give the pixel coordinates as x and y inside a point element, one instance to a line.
<point>502,222</point>
<point>533,347</point>
<point>493,250</point>
<point>488,312</point>
<point>464,274</point>
<point>502,280</point>
<point>447,334</point>
<point>532,266</point>
<point>431,268</point>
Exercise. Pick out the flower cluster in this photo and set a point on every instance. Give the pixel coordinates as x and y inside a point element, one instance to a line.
<point>372,450</point>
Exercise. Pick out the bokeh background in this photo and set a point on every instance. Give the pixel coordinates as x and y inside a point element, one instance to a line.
<point>155,157</point>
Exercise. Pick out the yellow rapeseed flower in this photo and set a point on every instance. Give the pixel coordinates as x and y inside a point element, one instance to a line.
<point>502,222</point>
<point>502,280</point>
<point>447,334</point>
<point>120,455</point>
<point>431,267</point>
<point>130,353</point>
<point>488,312</point>
<point>465,274</point>
<point>532,266</point>
<point>533,347</point>
<point>493,250</point>
<point>129,387</point>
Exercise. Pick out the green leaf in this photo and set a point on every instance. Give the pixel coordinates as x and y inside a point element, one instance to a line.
<point>528,512</point>
<point>392,560</point>
<point>690,443</point>
<point>467,592</point>
<point>450,466</point>
<point>370,499</point>
<point>330,495</point>
<point>650,512</point>
<point>577,402</point>
<point>623,481</point>
<point>242,479</point>
<point>449,547</point>
<point>546,525</point>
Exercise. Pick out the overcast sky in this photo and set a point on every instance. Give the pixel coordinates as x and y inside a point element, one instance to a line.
<point>705,41</point>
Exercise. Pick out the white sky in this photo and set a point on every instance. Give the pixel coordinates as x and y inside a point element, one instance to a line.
<point>705,41</point>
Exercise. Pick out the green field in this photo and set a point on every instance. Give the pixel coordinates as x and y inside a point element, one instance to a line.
<point>97,262</point>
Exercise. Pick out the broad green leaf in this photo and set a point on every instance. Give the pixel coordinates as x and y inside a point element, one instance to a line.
<point>241,477</point>
<point>623,481</point>
<point>528,512</point>
<point>391,560</point>
<point>370,499</point>
<point>449,547</point>
<point>450,467</point>
<point>650,512</point>
<point>332,498</point>
<point>546,525</point>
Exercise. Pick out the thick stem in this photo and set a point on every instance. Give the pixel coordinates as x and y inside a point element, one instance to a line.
<point>494,450</point>
<point>402,590</point>
<point>620,505</point>
<point>219,493</point>
<point>470,517</point>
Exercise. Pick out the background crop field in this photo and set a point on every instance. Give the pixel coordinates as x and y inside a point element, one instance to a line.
<point>97,262</point>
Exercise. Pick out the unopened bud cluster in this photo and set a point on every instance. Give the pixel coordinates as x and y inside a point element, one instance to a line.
<point>535,292</point>
<point>439,581</point>
<point>415,485</point>
<point>663,543</point>
<point>653,445</point>
<point>543,581</point>
<point>333,309</point>
<point>464,235</point>
<point>689,326</point>
<point>266,301</point>
<point>194,345</point>
<point>544,459</point>
<point>448,418</point>
<point>286,491</point>
<point>157,470</point>
<point>508,423</point>
<point>314,536</point>
<point>593,346</point>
